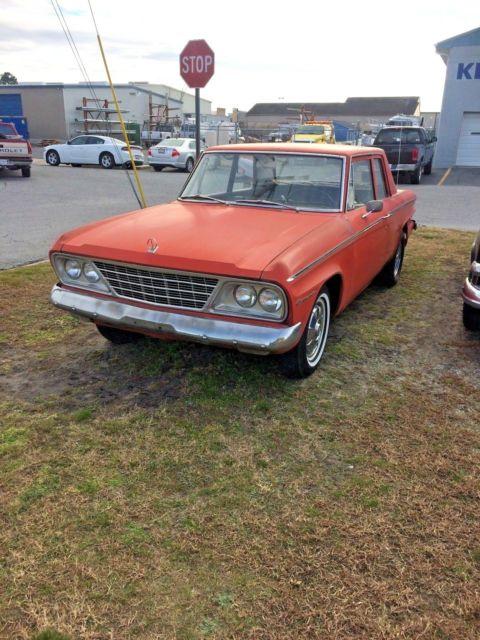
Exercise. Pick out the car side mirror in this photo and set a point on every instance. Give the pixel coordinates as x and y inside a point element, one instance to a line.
<point>434,139</point>
<point>69,142</point>
<point>374,205</point>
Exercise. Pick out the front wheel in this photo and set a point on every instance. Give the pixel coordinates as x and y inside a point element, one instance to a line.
<point>107,161</point>
<point>471,318</point>
<point>52,158</point>
<point>305,357</point>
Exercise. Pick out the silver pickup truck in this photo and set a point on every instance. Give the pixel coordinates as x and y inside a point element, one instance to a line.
<point>15,152</point>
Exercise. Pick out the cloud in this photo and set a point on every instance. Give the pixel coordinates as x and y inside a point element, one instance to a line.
<point>26,37</point>
<point>162,55</point>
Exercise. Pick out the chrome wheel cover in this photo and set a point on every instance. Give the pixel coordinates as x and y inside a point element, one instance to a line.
<point>106,161</point>
<point>317,329</point>
<point>52,157</point>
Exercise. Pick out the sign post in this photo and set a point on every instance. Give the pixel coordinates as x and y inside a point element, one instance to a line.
<point>197,66</point>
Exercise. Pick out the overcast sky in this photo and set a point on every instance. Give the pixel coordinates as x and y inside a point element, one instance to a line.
<point>265,50</point>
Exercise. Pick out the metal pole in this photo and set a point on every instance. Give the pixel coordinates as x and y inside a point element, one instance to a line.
<point>197,123</point>
<point>122,125</point>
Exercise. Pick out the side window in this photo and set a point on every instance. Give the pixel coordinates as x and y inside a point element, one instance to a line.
<point>379,179</point>
<point>191,145</point>
<point>360,184</point>
<point>79,140</point>
<point>94,140</point>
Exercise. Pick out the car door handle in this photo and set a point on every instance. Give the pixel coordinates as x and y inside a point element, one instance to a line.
<point>367,213</point>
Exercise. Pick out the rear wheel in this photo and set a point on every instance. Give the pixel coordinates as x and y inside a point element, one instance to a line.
<point>390,273</point>
<point>26,172</point>
<point>189,165</point>
<point>119,336</point>
<point>52,158</point>
<point>427,169</point>
<point>416,176</point>
<point>107,160</point>
<point>157,167</point>
<point>471,318</point>
<point>305,358</point>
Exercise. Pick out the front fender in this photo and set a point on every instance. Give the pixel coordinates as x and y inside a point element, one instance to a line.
<point>304,290</point>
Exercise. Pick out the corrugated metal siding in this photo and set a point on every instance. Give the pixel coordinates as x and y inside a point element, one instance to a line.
<point>11,104</point>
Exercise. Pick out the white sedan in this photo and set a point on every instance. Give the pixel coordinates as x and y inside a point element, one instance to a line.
<point>93,149</point>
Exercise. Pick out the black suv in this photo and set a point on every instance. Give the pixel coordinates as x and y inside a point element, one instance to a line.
<point>409,150</point>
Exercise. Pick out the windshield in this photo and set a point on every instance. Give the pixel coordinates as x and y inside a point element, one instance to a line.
<point>310,128</point>
<point>305,181</point>
<point>397,136</point>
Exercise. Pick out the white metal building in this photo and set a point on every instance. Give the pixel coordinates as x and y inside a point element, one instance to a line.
<point>459,126</point>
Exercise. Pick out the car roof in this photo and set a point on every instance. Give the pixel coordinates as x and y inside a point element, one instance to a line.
<point>295,147</point>
<point>91,134</point>
<point>402,126</point>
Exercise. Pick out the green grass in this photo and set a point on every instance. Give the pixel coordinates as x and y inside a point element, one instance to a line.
<point>167,490</point>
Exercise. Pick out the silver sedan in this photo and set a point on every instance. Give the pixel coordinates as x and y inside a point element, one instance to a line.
<point>173,152</point>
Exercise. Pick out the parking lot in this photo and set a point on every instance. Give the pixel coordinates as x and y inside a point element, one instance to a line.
<point>55,199</point>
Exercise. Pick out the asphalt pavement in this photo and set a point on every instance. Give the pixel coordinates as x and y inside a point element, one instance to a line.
<point>35,211</point>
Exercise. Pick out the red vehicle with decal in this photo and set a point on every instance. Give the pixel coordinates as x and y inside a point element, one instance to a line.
<point>15,152</point>
<point>264,246</point>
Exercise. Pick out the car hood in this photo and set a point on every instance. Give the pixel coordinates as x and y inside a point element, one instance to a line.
<point>209,238</point>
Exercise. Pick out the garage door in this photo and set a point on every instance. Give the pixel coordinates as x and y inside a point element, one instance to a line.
<point>10,104</point>
<point>469,143</point>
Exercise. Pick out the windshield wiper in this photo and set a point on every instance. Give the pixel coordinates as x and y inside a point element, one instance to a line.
<point>199,196</point>
<point>270,203</point>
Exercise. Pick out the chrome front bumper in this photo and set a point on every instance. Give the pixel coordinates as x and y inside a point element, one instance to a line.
<point>11,163</point>
<point>471,295</point>
<point>248,338</point>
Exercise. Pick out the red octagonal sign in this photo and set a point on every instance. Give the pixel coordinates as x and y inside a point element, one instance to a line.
<point>197,64</point>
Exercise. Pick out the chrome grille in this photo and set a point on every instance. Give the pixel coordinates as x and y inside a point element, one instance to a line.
<point>158,287</point>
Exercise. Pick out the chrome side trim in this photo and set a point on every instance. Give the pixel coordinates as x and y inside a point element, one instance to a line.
<point>248,338</point>
<point>345,243</point>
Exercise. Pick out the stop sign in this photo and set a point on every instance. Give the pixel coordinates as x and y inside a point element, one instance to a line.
<point>197,63</point>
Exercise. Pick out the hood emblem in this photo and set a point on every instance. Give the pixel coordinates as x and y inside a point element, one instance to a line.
<point>152,245</point>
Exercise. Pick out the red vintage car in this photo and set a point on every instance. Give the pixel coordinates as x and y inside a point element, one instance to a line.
<point>264,246</point>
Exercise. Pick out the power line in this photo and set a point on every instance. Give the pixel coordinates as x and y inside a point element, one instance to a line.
<point>76,54</point>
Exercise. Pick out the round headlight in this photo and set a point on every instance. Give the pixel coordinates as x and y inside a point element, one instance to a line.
<point>245,295</point>
<point>90,273</point>
<point>73,269</point>
<point>270,300</point>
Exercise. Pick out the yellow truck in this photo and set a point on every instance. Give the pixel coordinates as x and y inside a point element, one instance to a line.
<point>319,131</point>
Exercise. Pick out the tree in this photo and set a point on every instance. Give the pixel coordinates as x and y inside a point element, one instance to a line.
<point>8,78</point>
